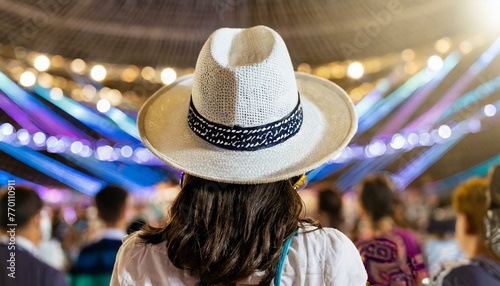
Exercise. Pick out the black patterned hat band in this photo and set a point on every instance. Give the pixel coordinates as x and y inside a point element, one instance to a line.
<point>246,138</point>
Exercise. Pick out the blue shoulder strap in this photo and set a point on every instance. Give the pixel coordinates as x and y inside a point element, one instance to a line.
<point>281,263</point>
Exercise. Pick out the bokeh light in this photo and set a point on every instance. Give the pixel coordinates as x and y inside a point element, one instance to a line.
<point>355,70</point>
<point>42,63</point>
<point>168,76</point>
<point>98,72</point>
<point>398,141</point>
<point>27,78</point>
<point>435,63</point>
<point>489,110</point>
<point>78,66</point>
<point>444,131</point>
<point>103,105</point>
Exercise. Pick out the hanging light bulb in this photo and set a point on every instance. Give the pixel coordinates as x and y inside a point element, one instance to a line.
<point>42,63</point>
<point>98,72</point>
<point>168,76</point>
<point>27,78</point>
<point>435,63</point>
<point>103,105</point>
<point>355,70</point>
<point>78,66</point>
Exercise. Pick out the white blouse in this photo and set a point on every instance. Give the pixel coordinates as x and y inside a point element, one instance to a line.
<point>320,257</point>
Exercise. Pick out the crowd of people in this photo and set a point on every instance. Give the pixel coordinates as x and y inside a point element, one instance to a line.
<point>392,251</point>
<point>244,130</point>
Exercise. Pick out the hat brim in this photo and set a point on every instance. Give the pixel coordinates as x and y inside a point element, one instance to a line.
<point>328,125</point>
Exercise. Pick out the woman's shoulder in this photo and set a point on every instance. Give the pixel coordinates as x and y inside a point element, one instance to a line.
<point>132,238</point>
<point>327,242</point>
<point>406,234</point>
<point>456,272</point>
<point>140,263</point>
<point>482,270</point>
<point>134,244</point>
<point>470,272</point>
<point>329,253</point>
<point>132,241</point>
<point>315,231</point>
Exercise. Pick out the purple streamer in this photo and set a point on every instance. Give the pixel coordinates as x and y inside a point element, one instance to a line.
<point>16,113</point>
<point>433,114</point>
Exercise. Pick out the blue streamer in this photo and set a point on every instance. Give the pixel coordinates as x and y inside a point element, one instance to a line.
<point>71,177</point>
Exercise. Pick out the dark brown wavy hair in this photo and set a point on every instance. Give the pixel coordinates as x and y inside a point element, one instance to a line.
<point>223,233</point>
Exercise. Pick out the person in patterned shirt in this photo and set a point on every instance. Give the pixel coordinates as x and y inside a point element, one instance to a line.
<point>391,255</point>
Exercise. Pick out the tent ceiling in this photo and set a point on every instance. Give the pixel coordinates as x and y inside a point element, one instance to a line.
<point>171,32</point>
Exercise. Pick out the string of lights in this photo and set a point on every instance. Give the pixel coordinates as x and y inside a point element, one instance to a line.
<point>361,169</point>
<point>63,83</point>
<point>101,149</point>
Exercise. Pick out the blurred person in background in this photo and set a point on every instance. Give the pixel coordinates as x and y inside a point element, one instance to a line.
<point>95,262</point>
<point>440,247</point>
<point>74,234</point>
<point>419,202</point>
<point>20,243</point>
<point>330,208</point>
<point>470,201</point>
<point>399,214</point>
<point>391,255</point>
<point>50,246</point>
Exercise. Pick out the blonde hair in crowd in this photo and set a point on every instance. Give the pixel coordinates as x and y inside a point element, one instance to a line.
<point>471,198</point>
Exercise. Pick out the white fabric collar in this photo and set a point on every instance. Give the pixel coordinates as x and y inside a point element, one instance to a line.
<point>23,243</point>
<point>113,233</point>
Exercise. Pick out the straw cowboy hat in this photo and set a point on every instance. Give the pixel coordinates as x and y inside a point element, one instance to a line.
<point>245,116</point>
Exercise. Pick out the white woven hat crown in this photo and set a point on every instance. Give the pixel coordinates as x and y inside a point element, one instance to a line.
<point>248,83</point>
<point>244,116</point>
